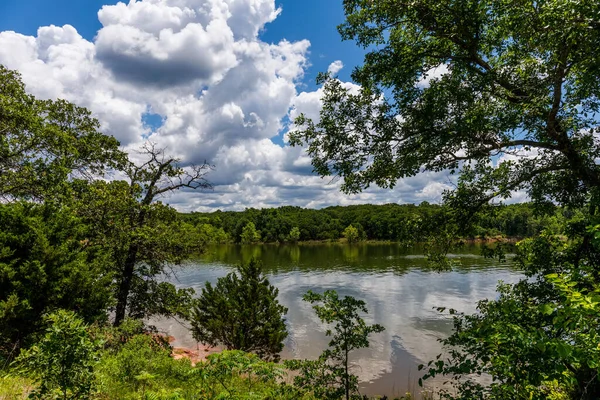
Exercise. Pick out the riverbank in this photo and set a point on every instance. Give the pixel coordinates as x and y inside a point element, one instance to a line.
<point>479,240</point>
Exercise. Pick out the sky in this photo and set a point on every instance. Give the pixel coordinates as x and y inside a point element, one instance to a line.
<point>207,80</point>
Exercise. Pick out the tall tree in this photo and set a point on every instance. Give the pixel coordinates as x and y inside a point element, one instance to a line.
<point>45,264</point>
<point>142,234</point>
<point>506,93</point>
<point>448,82</point>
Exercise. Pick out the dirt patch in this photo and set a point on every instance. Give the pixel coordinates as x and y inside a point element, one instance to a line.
<point>194,355</point>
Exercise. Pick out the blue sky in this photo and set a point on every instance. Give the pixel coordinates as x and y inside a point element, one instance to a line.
<point>207,80</point>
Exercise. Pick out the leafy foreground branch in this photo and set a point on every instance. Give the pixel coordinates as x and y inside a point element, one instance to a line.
<point>329,376</point>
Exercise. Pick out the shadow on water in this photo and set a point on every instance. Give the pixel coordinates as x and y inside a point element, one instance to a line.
<point>401,293</point>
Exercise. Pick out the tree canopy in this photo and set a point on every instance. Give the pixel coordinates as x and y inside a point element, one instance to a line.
<point>466,85</point>
<point>505,93</point>
<point>43,142</point>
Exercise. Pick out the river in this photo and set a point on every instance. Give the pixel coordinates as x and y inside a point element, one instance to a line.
<point>401,293</point>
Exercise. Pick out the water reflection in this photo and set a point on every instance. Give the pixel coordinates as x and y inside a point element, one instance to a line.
<point>400,291</point>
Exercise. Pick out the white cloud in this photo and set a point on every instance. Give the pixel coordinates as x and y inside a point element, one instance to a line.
<point>432,74</point>
<point>222,93</point>
<point>335,67</point>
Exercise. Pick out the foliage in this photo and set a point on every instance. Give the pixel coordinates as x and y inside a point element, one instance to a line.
<point>505,93</point>
<point>142,236</point>
<point>205,234</point>
<point>253,377</point>
<point>294,235</point>
<point>351,234</point>
<point>45,265</point>
<point>249,234</point>
<point>540,337</point>
<point>470,80</point>
<point>62,362</point>
<point>242,313</point>
<point>329,377</point>
<point>122,366</point>
<point>43,142</point>
<point>143,367</point>
<point>388,222</point>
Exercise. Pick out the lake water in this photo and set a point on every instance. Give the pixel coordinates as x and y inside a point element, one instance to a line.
<point>400,291</point>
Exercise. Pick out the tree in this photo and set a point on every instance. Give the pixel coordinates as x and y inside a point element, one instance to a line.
<point>518,78</point>
<point>143,236</point>
<point>249,234</point>
<point>45,264</point>
<point>329,376</point>
<point>44,142</point>
<point>540,335</point>
<point>63,360</point>
<point>242,313</point>
<point>506,94</point>
<point>351,234</point>
<point>294,235</point>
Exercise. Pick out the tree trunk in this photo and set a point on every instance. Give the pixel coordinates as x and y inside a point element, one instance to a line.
<point>347,377</point>
<point>125,285</point>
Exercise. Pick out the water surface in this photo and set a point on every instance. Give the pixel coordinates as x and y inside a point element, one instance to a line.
<point>401,293</point>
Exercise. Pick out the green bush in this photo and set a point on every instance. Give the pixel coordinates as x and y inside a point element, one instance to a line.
<point>62,363</point>
<point>143,368</point>
<point>242,313</point>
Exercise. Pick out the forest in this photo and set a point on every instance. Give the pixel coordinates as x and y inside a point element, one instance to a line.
<point>389,222</point>
<point>88,240</point>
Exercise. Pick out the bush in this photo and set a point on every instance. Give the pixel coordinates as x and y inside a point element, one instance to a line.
<point>63,361</point>
<point>241,313</point>
<point>141,365</point>
<point>144,368</point>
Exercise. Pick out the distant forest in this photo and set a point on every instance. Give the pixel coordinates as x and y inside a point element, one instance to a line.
<point>389,222</point>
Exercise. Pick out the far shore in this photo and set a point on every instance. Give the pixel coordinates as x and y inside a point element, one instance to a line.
<point>478,240</point>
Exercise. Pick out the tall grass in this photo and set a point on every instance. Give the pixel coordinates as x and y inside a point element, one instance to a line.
<point>13,387</point>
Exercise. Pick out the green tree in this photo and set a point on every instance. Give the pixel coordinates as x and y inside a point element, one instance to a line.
<point>45,264</point>
<point>44,142</point>
<point>249,234</point>
<point>351,234</point>
<point>540,333</point>
<point>329,377</point>
<point>294,235</point>
<point>520,76</point>
<point>463,86</point>
<point>241,312</point>
<point>143,236</point>
<point>63,361</point>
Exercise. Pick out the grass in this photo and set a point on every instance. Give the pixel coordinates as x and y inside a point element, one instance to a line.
<point>13,387</point>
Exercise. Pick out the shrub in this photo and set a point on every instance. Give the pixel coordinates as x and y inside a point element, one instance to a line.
<point>63,361</point>
<point>241,313</point>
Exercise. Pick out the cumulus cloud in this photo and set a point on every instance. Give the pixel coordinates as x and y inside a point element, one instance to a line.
<point>220,93</point>
<point>335,67</point>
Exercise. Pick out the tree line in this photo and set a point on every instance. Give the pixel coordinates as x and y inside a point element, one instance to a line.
<point>388,222</point>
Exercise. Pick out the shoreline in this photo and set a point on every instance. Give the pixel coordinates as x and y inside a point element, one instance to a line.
<point>374,241</point>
